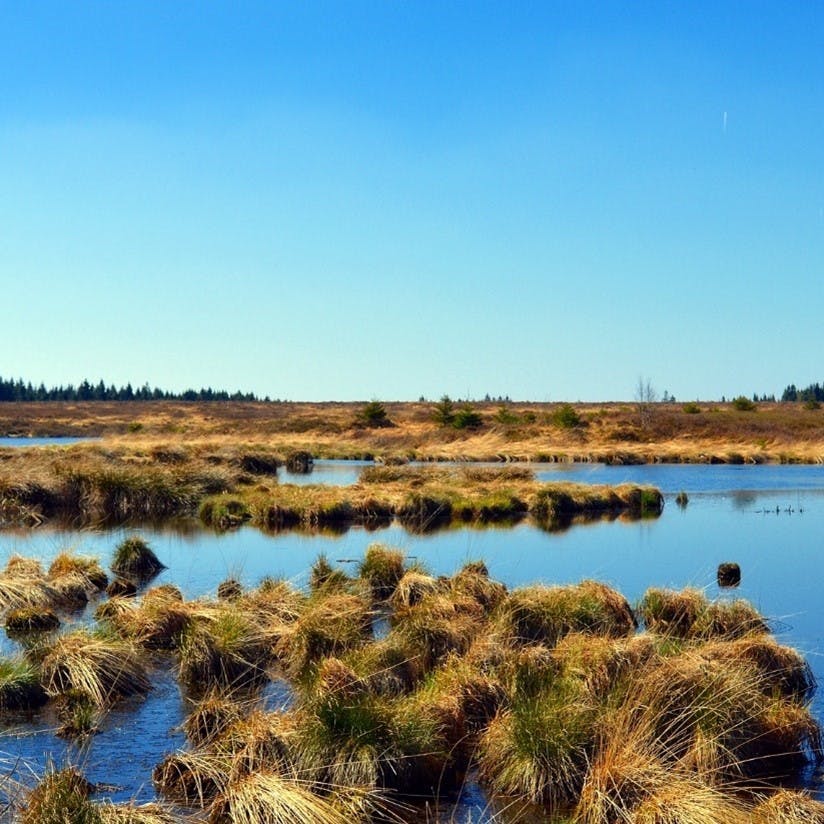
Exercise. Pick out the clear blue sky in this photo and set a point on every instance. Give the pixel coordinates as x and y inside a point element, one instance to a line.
<point>390,199</point>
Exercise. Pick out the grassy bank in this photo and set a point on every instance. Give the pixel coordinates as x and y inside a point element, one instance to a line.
<point>611,432</point>
<point>564,702</point>
<point>229,483</point>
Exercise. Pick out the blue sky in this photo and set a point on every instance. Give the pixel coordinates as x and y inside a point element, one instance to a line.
<point>393,199</point>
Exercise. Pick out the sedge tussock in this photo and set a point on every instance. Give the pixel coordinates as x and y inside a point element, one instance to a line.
<point>714,719</point>
<point>211,716</point>
<point>382,569</point>
<point>20,566</point>
<point>539,748</point>
<point>137,814</point>
<point>273,602</point>
<point>134,558</point>
<point>28,620</point>
<point>688,614</point>
<point>412,588</point>
<point>602,662</point>
<point>544,614</point>
<point>781,668</point>
<point>331,624</point>
<point>60,797</point>
<point>268,798</point>
<point>70,591</point>
<point>687,801</point>
<point>473,580</point>
<point>438,625</point>
<point>260,742</point>
<point>103,667</point>
<point>192,779</point>
<point>385,667</point>
<point>18,591</point>
<point>789,807</point>
<point>19,685</point>
<point>67,563</point>
<point>227,652</point>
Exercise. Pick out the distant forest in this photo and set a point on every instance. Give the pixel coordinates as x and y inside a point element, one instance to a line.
<point>18,390</point>
<point>813,392</point>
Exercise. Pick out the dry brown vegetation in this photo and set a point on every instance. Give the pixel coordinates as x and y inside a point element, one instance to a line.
<point>550,694</point>
<point>228,483</point>
<point>522,431</point>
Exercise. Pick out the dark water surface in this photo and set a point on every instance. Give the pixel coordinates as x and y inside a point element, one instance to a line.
<point>768,519</point>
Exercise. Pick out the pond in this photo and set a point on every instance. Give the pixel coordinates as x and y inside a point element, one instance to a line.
<point>55,440</point>
<point>770,523</point>
<point>669,478</point>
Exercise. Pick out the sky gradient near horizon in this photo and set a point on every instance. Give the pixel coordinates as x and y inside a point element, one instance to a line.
<point>331,200</point>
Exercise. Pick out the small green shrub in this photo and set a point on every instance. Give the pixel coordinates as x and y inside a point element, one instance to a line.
<point>691,408</point>
<point>373,415</point>
<point>811,405</point>
<point>566,417</point>
<point>443,412</point>
<point>743,404</point>
<point>467,418</point>
<point>505,415</point>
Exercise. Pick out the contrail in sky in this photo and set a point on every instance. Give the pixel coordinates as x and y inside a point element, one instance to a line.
<point>725,122</point>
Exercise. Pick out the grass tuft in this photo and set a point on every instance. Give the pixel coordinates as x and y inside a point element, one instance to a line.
<point>96,663</point>
<point>134,558</point>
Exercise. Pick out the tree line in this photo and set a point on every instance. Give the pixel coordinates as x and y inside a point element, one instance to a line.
<point>813,392</point>
<point>18,390</point>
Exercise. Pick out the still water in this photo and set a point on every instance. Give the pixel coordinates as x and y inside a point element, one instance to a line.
<point>54,440</point>
<point>768,519</point>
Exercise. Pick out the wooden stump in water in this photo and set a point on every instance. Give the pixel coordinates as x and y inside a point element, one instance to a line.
<point>729,575</point>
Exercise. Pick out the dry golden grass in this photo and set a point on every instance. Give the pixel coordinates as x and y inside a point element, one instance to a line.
<point>789,807</point>
<point>268,798</point>
<point>609,431</point>
<point>101,666</point>
<point>127,482</point>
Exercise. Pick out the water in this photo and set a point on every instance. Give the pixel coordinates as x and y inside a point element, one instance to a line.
<point>56,440</point>
<point>769,519</point>
<point>669,478</point>
<point>332,473</point>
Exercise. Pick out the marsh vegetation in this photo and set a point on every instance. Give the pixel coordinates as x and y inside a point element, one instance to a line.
<point>564,702</point>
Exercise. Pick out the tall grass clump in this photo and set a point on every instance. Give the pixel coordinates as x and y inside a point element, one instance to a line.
<point>134,558</point>
<point>28,620</point>
<point>544,614</point>
<point>539,748</point>
<point>382,569</point>
<point>688,614</point>
<point>325,577</point>
<point>61,797</point>
<point>19,686</point>
<point>269,798</point>
<point>67,563</point>
<point>226,651</point>
<point>439,624</point>
<point>97,663</point>
<point>787,806</point>
<point>331,624</point>
<point>137,814</point>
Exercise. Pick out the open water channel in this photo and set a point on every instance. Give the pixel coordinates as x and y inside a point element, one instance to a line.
<point>769,519</point>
